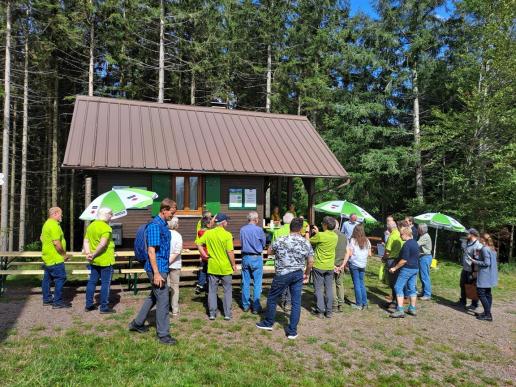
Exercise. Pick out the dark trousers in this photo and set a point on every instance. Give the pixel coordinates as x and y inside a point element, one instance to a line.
<point>323,284</point>
<point>465,278</point>
<point>57,274</point>
<point>104,273</point>
<point>486,298</point>
<point>161,298</point>
<point>294,282</point>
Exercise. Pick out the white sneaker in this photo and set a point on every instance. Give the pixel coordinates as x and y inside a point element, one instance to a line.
<point>292,337</point>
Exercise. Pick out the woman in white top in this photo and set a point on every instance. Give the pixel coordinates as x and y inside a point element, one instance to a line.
<point>176,245</point>
<point>359,248</point>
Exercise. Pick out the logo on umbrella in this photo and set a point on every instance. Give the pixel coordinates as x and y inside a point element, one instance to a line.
<point>132,198</point>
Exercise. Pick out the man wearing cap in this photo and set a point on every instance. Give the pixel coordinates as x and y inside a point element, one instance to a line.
<point>471,250</point>
<point>221,264</point>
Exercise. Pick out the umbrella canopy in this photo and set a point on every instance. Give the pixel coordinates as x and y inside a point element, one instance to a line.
<point>440,221</point>
<point>345,208</point>
<point>119,200</point>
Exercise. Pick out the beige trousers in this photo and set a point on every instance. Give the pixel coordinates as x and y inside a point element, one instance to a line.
<point>173,282</point>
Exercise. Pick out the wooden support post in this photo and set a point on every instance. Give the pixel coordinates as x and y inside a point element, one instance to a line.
<point>309,183</point>
<point>290,189</point>
<point>277,192</point>
<point>87,198</point>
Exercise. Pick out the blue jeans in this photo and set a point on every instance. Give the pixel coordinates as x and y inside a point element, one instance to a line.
<point>294,282</point>
<point>424,274</point>
<point>407,277</point>
<point>203,276</point>
<point>104,273</point>
<point>57,274</point>
<point>358,277</point>
<point>252,267</point>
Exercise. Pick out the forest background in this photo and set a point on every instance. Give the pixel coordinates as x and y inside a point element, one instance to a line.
<point>420,108</point>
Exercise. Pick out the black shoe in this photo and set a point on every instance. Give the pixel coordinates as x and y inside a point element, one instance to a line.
<point>258,311</point>
<point>48,303</point>
<point>328,315</point>
<point>138,328</point>
<point>90,308</point>
<point>485,317</point>
<point>107,311</point>
<point>62,306</point>
<point>167,340</point>
<point>315,312</point>
<point>245,310</point>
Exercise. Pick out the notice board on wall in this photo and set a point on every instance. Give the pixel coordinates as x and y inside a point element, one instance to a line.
<point>242,198</point>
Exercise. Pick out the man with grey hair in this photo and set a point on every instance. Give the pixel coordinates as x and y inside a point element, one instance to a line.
<point>425,261</point>
<point>99,248</point>
<point>349,226</point>
<point>252,239</point>
<point>279,233</point>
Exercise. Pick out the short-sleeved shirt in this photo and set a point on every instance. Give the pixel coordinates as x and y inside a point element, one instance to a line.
<point>340,250</point>
<point>325,243</point>
<point>359,256</point>
<point>348,228</point>
<point>425,244</point>
<point>291,253</point>
<point>158,236</point>
<point>52,232</point>
<point>94,233</point>
<point>176,246</point>
<point>218,242</point>
<point>281,232</point>
<point>410,253</point>
<point>252,239</point>
<point>394,244</point>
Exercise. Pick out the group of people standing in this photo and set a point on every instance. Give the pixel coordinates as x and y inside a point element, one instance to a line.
<point>300,252</point>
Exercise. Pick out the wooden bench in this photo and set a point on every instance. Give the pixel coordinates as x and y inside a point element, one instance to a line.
<point>9,265</point>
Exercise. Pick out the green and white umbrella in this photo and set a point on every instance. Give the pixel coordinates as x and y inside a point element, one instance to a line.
<point>345,208</point>
<point>119,200</point>
<point>439,221</point>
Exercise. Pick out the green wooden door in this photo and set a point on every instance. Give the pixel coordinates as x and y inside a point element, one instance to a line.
<point>212,194</point>
<point>160,185</point>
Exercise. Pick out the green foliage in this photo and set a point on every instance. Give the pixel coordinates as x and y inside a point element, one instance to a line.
<point>33,246</point>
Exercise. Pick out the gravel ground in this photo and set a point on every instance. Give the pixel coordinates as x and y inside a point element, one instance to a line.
<point>438,335</point>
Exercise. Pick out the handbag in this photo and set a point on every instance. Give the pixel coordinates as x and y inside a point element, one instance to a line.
<point>471,291</point>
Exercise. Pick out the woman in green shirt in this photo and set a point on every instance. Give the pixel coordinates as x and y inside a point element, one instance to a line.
<point>100,251</point>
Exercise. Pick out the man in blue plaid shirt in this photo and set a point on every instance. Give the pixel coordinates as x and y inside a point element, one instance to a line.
<point>158,247</point>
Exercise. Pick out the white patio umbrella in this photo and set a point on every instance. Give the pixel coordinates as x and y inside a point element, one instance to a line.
<point>119,200</point>
<point>439,221</point>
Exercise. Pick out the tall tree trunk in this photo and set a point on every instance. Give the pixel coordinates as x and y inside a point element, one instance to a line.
<point>269,79</point>
<point>299,104</point>
<point>161,81</point>
<point>55,113</point>
<point>92,46</point>
<point>5,139</point>
<point>511,246</point>
<point>417,138</point>
<point>192,88</point>
<point>13,181</point>
<point>23,180</point>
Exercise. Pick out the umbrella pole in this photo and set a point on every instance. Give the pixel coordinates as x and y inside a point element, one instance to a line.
<point>435,241</point>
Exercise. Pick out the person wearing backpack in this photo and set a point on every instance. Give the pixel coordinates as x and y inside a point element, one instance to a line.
<point>157,239</point>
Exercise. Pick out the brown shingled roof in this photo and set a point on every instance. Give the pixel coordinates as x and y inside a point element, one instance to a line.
<point>119,134</point>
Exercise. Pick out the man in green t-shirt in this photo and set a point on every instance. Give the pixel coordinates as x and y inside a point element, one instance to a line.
<point>325,244</point>
<point>390,257</point>
<point>53,252</point>
<point>100,251</point>
<point>221,264</point>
